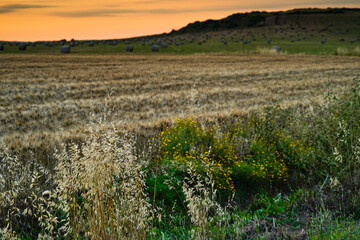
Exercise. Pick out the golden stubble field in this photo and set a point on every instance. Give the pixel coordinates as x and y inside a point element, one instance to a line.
<point>48,99</point>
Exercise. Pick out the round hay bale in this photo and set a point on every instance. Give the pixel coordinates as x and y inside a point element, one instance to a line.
<point>1,47</point>
<point>269,41</point>
<point>91,44</point>
<point>129,48</point>
<point>163,45</point>
<point>65,49</point>
<point>341,40</point>
<point>155,48</point>
<point>323,41</point>
<point>22,46</point>
<point>276,49</point>
<point>199,43</point>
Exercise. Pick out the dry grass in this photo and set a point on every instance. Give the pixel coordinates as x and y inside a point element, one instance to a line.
<point>356,51</point>
<point>341,51</point>
<point>105,173</point>
<point>98,186</point>
<point>46,100</point>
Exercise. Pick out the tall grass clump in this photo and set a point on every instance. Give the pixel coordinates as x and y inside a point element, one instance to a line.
<point>96,191</point>
<point>337,142</point>
<point>356,51</point>
<point>341,51</point>
<point>203,209</point>
<point>24,192</point>
<point>101,189</point>
<point>326,224</point>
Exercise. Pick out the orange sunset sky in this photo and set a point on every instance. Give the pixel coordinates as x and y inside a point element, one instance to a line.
<point>32,20</point>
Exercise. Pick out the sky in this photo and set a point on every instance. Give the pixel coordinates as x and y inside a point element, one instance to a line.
<point>35,20</point>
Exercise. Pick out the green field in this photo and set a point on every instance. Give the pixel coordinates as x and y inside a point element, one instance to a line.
<point>310,45</point>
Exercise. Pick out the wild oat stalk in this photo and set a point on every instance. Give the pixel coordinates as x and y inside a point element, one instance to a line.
<point>203,209</point>
<point>101,188</point>
<point>22,204</point>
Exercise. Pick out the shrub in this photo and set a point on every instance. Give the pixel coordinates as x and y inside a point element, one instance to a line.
<point>272,153</point>
<point>266,162</point>
<point>337,146</point>
<point>186,143</point>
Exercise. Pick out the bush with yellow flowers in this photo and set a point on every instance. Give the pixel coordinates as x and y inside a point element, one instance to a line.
<point>187,143</point>
<point>274,154</point>
<point>266,162</point>
<point>259,151</point>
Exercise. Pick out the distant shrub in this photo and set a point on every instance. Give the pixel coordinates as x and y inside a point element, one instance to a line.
<point>341,51</point>
<point>273,50</point>
<point>356,51</point>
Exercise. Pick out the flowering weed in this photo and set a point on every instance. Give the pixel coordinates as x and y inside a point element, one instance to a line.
<point>187,143</point>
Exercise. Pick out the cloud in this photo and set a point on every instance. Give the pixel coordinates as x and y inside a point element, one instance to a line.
<point>114,12</point>
<point>15,7</point>
<point>4,10</point>
<point>93,13</point>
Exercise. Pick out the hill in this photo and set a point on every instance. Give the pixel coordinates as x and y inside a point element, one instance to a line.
<point>301,17</point>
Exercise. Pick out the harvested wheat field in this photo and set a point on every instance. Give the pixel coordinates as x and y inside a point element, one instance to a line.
<point>52,98</point>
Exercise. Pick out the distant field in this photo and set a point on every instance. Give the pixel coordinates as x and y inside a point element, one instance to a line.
<point>47,99</point>
<point>338,40</point>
